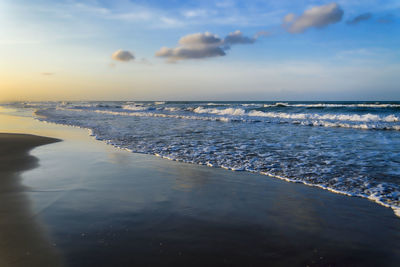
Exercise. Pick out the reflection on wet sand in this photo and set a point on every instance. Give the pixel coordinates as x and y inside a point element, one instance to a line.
<point>188,179</point>
<point>23,240</point>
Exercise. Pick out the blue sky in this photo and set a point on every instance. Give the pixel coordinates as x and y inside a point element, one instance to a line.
<point>341,50</point>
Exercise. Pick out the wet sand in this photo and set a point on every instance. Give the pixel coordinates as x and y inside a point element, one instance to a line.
<point>110,207</point>
<point>22,241</point>
<point>14,150</point>
<point>101,206</point>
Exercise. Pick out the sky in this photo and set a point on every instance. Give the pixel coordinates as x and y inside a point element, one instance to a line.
<point>199,50</point>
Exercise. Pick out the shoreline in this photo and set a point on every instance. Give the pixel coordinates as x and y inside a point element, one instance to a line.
<point>18,145</point>
<point>23,239</point>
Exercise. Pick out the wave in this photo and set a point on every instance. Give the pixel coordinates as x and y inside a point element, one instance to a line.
<point>361,122</point>
<point>252,105</point>
<point>171,109</point>
<point>108,106</point>
<point>48,112</point>
<point>326,105</point>
<point>299,116</point>
<point>278,104</point>
<point>338,117</point>
<point>218,104</point>
<point>227,111</point>
<point>135,107</point>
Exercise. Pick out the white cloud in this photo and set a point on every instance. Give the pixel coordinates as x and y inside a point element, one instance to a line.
<point>122,55</point>
<point>194,46</point>
<point>315,17</point>
<point>203,45</point>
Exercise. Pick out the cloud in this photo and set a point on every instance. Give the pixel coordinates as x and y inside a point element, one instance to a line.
<point>289,18</point>
<point>315,17</point>
<point>181,53</point>
<point>200,39</point>
<point>122,55</point>
<point>203,45</point>
<point>359,18</point>
<point>237,37</point>
<point>194,46</point>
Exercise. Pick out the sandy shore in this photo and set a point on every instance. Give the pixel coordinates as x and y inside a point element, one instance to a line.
<point>22,241</point>
<point>14,150</point>
<point>101,206</point>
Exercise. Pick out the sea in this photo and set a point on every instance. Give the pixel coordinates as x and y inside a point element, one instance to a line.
<point>351,148</point>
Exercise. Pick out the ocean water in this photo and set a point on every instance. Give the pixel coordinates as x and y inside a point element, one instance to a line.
<point>351,148</point>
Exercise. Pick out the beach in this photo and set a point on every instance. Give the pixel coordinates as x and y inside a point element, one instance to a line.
<point>85,203</point>
<point>23,241</point>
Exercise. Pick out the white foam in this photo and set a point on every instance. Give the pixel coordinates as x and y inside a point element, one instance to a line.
<point>141,114</point>
<point>227,111</point>
<point>396,211</point>
<point>217,104</point>
<point>135,107</point>
<point>326,105</point>
<point>314,116</point>
<point>171,109</point>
